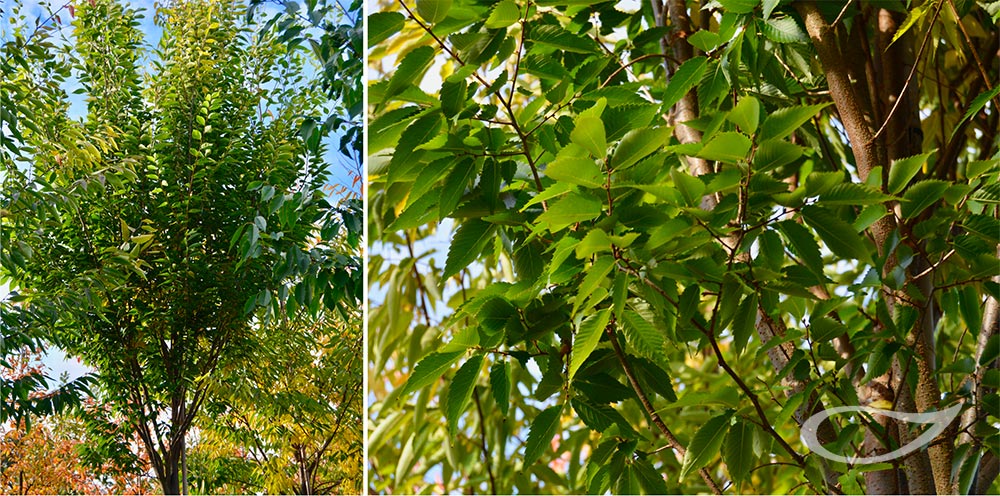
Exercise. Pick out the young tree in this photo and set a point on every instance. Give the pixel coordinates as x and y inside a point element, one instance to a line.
<point>145,238</point>
<point>677,233</point>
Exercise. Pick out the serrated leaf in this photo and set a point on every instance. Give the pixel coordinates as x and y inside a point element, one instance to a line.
<point>417,133</point>
<point>729,147</point>
<point>920,196</point>
<point>597,417</point>
<point>783,30</point>
<point>737,451</point>
<point>769,6</point>
<point>382,25</point>
<point>977,104</point>
<point>433,11</point>
<point>494,313</point>
<point>561,39</point>
<point>409,72</point>
<point>589,133</point>
<point>823,329</point>
<point>775,153</point>
<point>586,339</point>
<point>454,186</point>
<point>785,121</point>
<point>460,391</point>
<point>903,170</point>
<point>743,322</point>
<point>746,114</point>
<point>683,79</point>
<point>968,306</point>
<point>838,235</point>
<point>705,444</point>
<point>853,194</point>
<point>650,479</point>
<point>595,276</point>
<point>803,244</point>
<point>642,336</point>
<point>429,369</point>
<point>468,241</point>
<point>912,17</point>
<point>572,208</point>
<point>638,143</point>
<point>542,430</point>
<point>739,6</point>
<point>504,14</point>
<point>691,187</point>
<point>500,385</point>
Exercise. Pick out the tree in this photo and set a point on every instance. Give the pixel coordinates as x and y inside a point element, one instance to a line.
<point>186,207</point>
<point>295,408</point>
<point>675,234</point>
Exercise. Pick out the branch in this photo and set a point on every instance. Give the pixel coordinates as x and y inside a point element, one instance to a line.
<point>648,406</point>
<point>482,433</point>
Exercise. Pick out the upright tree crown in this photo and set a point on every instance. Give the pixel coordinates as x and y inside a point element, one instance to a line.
<point>146,238</point>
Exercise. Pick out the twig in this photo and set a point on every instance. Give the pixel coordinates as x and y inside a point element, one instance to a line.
<point>909,78</point>
<point>482,432</point>
<point>648,406</point>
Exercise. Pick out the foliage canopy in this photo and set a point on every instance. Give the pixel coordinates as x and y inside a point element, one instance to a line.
<point>634,250</point>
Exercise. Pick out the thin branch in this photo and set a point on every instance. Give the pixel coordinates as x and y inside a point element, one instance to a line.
<point>482,439</point>
<point>648,406</point>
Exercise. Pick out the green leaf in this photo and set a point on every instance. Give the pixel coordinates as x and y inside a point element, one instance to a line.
<point>597,417</point>
<point>572,208</point>
<point>739,6</point>
<point>460,391</point>
<point>912,17</point>
<point>428,370</point>
<point>870,215</point>
<point>903,170</point>
<point>561,39</point>
<point>494,313</point>
<point>783,30</point>
<point>823,329</point>
<point>775,153</point>
<point>785,121</point>
<point>746,114</point>
<point>968,305</point>
<point>803,244</point>
<point>642,336</point>
<point>650,479</point>
<point>500,385</point>
<point>769,6</point>
<point>976,105</point>
<point>705,444</point>
<point>586,339</point>
<point>382,25</point>
<point>737,450</point>
<point>838,235</point>
<point>853,194</point>
<point>729,147</point>
<point>589,133</point>
<point>744,321</point>
<point>454,185</point>
<point>690,187</point>
<point>922,195</point>
<point>638,143</point>
<point>468,241</point>
<point>543,429</point>
<point>595,276</point>
<point>433,11</point>
<point>409,72</point>
<point>681,82</point>
<point>504,14</point>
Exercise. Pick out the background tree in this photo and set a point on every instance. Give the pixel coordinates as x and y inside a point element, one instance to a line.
<point>145,238</point>
<point>676,232</point>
